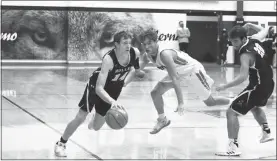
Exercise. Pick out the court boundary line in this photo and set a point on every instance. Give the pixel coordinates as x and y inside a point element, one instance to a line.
<point>95,156</point>
<point>55,130</point>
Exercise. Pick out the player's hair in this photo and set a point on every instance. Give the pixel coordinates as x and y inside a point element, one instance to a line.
<point>150,34</point>
<point>122,34</point>
<point>237,32</point>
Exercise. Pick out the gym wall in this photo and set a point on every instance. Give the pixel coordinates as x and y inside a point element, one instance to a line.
<point>72,31</point>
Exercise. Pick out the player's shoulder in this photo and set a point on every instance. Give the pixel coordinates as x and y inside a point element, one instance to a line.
<point>166,52</point>
<point>136,51</point>
<point>250,46</point>
<point>107,61</point>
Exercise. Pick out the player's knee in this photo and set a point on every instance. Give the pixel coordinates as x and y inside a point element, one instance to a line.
<point>256,110</point>
<point>210,101</point>
<point>97,123</point>
<point>230,113</point>
<point>81,116</point>
<point>154,93</point>
<point>157,90</point>
<point>96,128</point>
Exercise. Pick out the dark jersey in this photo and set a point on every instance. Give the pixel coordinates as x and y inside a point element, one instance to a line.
<point>117,75</point>
<point>261,72</point>
<point>268,46</point>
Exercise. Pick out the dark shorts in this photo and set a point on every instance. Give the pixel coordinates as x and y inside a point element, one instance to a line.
<point>252,97</point>
<point>90,99</point>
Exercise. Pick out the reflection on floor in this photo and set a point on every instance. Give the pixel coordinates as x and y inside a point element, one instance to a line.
<point>43,101</point>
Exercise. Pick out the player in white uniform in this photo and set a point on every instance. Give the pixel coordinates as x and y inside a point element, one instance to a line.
<point>180,66</point>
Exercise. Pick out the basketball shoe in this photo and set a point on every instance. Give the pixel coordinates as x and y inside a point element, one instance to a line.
<point>60,149</point>
<point>233,150</point>
<point>161,123</point>
<point>266,137</point>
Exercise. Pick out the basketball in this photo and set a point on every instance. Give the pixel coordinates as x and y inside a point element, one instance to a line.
<point>116,118</point>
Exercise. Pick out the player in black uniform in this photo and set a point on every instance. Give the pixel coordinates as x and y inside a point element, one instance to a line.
<point>104,87</point>
<point>267,36</point>
<point>260,87</point>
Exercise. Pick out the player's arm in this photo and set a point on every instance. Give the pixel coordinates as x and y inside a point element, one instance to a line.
<point>245,60</point>
<point>144,61</point>
<point>107,65</point>
<point>167,59</point>
<point>137,65</point>
<point>262,32</point>
<point>255,27</point>
<point>134,69</point>
<point>137,70</point>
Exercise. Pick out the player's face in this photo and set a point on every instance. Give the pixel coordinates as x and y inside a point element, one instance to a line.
<point>237,43</point>
<point>124,45</point>
<point>150,46</point>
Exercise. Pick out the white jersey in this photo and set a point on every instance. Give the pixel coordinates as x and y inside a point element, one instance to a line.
<point>181,59</point>
<point>191,72</point>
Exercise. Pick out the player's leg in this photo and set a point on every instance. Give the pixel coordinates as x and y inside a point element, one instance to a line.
<point>261,95</point>
<point>216,100</point>
<point>260,117</point>
<point>73,125</point>
<point>102,107</point>
<point>98,120</point>
<point>156,94</point>
<point>201,83</point>
<point>240,106</point>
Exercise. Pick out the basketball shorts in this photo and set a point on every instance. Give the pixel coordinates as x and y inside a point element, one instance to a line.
<point>90,99</point>
<point>251,97</point>
<point>195,77</point>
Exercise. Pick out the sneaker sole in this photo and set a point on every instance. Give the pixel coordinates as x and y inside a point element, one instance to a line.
<point>161,128</point>
<point>56,154</point>
<point>232,155</point>
<point>224,154</point>
<point>271,139</point>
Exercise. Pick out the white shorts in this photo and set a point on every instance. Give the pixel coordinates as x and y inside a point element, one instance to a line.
<point>196,78</point>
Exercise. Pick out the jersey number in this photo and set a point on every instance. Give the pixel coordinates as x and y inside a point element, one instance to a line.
<point>259,49</point>
<point>120,76</point>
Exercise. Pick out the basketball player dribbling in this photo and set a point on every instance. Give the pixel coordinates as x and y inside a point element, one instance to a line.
<point>254,65</point>
<point>104,87</point>
<point>180,66</point>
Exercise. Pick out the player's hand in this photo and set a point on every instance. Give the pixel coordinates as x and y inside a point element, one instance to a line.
<point>140,73</point>
<point>180,109</point>
<point>116,105</point>
<point>220,88</point>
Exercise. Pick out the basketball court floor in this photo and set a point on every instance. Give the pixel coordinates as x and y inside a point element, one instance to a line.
<point>37,103</point>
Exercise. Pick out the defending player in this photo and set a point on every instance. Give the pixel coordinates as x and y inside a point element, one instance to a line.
<point>267,36</point>
<point>260,87</point>
<point>179,66</point>
<point>103,87</point>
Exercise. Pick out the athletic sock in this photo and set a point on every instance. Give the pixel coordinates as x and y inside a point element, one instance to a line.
<point>161,116</point>
<point>235,141</point>
<point>62,140</point>
<point>266,128</point>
